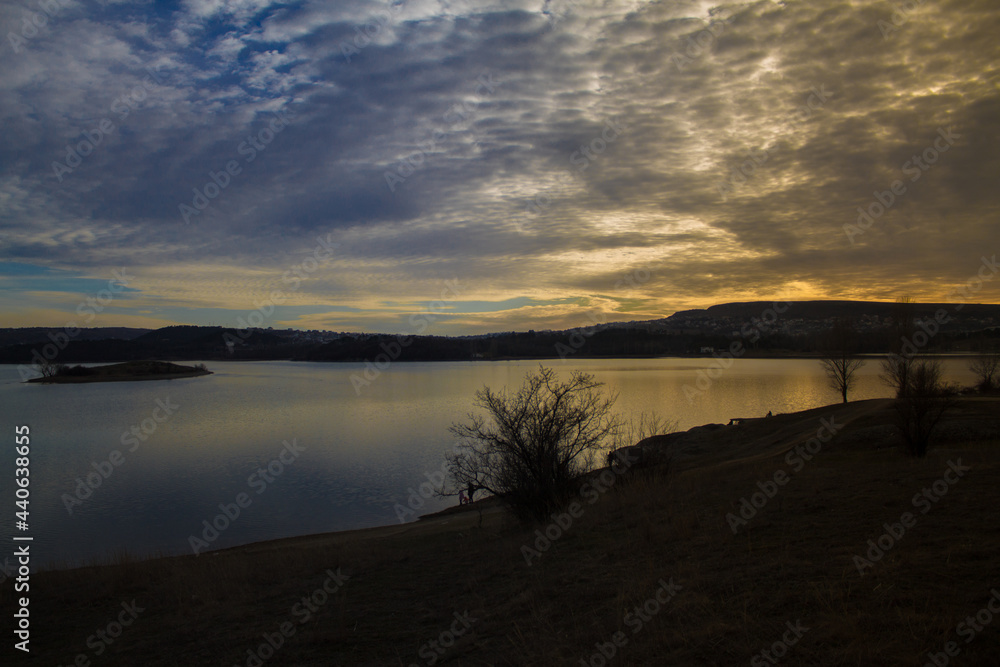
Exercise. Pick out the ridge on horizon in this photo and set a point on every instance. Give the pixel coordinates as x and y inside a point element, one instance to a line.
<point>809,309</point>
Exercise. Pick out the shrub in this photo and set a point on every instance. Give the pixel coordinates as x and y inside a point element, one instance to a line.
<point>536,443</point>
<point>922,406</point>
<point>986,366</point>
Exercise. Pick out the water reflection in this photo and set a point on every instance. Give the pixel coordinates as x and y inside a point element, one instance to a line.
<point>363,452</point>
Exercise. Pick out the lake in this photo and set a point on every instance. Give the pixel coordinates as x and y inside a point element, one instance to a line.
<point>305,449</point>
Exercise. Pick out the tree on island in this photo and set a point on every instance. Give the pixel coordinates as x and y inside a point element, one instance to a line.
<point>840,362</point>
<point>49,368</point>
<point>536,442</point>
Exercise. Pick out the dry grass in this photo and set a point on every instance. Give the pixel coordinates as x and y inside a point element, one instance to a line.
<point>793,561</point>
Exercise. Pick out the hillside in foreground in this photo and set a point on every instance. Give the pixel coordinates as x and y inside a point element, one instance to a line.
<point>445,590</point>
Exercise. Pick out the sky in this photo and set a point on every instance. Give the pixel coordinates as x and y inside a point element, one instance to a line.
<point>525,164</point>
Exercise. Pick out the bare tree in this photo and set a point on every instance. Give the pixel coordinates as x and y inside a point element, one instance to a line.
<point>646,425</point>
<point>841,370</point>
<point>986,366</point>
<point>895,373</point>
<point>920,410</point>
<point>840,362</point>
<point>536,443</point>
<point>624,452</point>
<point>903,319</point>
<point>49,368</point>
<point>898,363</point>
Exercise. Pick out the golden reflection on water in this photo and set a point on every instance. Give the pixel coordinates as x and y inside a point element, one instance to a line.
<point>366,445</point>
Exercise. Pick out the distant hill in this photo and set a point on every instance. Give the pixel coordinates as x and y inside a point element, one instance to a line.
<point>764,327</point>
<point>177,343</point>
<point>830,310</point>
<point>29,335</point>
<point>209,339</point>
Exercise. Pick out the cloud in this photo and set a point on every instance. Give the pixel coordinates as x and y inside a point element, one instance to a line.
<point>750,133</point>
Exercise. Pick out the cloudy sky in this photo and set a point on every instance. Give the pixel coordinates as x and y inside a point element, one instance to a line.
<point>525,163</point>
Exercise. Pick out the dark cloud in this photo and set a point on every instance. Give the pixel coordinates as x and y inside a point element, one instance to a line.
<point>469,140</point>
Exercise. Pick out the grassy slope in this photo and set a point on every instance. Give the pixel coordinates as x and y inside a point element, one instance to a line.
<point>794,561</point>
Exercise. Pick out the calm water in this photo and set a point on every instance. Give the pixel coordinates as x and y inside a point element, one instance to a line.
<point>361,453</point>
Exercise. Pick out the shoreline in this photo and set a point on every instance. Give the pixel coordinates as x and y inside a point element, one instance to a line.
<point>490,506</point>
<point>688,449</point>
<point>747,355</point>
<point>456,515</point>
<point>792,503</point>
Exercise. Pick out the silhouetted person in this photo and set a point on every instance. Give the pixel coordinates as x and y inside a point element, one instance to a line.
<point>472,488</point>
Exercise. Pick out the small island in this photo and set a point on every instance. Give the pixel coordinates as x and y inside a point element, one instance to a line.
<point>128,371</point>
